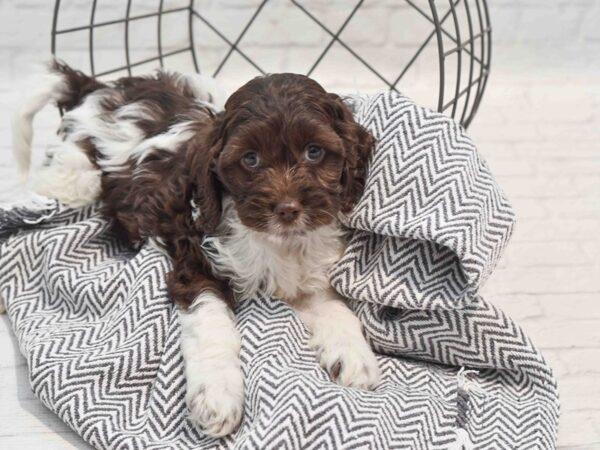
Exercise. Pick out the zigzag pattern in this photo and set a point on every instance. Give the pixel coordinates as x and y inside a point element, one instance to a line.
<point>102,340</point>
<point>439,219</point>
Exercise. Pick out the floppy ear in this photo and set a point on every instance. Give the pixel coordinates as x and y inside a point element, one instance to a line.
<point>358,144</point>
<point>206,189</point>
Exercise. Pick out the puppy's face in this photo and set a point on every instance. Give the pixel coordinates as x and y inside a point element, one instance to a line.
<point>290,155</point>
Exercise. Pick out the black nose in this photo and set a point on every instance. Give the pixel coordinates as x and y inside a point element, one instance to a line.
<point>288,211</point>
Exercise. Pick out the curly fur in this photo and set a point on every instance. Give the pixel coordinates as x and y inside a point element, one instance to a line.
<point>169,167</point>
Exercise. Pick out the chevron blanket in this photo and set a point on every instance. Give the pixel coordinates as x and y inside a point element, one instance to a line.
<point>102,340</point>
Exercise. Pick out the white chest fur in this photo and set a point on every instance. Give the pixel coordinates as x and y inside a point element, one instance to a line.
<point>286,267</point>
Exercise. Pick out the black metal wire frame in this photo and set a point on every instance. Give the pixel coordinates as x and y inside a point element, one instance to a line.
<point>477,46</point>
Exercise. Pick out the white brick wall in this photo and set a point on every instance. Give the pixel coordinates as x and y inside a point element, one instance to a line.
<point>538,127</point>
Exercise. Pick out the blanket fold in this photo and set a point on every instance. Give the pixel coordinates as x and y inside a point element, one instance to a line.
<point>101,338</point>
<point>432,222</point>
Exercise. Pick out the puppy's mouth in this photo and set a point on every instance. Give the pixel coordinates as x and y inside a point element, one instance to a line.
<point>288,228</point>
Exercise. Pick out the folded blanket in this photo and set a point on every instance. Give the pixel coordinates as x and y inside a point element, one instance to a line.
<point>101,337</point>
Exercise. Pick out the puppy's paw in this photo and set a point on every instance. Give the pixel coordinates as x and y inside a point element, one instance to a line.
<point>348,359</point>
<point>216,403</point>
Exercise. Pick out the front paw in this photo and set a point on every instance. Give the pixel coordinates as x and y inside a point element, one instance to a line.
<point>348,359</point>
<point>216,403</point>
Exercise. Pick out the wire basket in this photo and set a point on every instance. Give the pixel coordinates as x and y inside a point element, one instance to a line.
<point>453,50</point>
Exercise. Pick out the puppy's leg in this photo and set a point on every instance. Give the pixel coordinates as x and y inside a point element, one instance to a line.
<point>338,340</point>
<point>69,176</point>
<point>210,344</point>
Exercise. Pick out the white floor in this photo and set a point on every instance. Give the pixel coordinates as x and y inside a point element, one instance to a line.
<point>539,129</point>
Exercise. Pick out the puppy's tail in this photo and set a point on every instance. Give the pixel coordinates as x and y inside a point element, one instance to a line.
<point>59,84</point>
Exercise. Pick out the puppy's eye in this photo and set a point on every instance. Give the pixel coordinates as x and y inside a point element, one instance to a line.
<point>251,160</point>
<point>313,153</point>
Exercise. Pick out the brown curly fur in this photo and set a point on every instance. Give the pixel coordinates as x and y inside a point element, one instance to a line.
<point>275,115</point>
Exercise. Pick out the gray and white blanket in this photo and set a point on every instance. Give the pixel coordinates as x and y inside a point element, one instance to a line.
<point>101,337</point>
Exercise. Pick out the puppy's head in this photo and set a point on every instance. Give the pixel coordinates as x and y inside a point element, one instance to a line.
<point>288,153</point>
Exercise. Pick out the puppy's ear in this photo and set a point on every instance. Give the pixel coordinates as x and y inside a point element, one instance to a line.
<point>358,144</point>
<point>206,189</point>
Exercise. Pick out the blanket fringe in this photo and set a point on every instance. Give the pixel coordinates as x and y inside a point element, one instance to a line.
<point>467,385</point>
<point>30,201</point>
<point>462,442</point>
<point>34,202</point>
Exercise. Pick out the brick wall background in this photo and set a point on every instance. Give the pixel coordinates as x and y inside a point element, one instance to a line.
<point>538,127</point>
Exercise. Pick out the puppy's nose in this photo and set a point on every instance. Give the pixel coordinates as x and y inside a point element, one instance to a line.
<point>288,211</point>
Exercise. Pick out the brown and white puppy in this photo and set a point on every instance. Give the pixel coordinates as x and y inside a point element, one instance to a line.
<point>244,201</point>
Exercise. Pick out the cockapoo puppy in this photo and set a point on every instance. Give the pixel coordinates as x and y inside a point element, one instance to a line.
<point>243,200</point>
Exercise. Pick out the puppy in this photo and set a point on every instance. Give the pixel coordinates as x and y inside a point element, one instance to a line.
<point>243,200</point>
